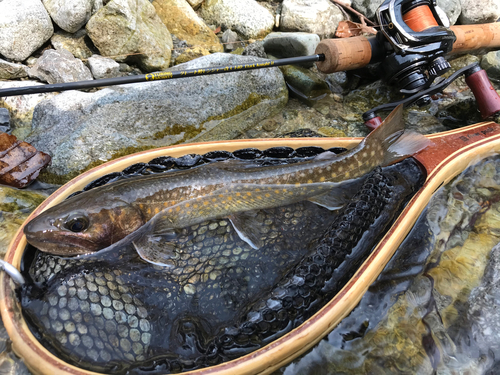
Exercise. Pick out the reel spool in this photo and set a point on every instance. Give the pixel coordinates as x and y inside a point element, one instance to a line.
<point>417,36</point>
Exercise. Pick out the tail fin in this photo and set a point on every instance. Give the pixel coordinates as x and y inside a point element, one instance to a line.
<point>396,142</point>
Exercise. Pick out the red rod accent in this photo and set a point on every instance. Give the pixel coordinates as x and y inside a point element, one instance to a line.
<point>487,98</point>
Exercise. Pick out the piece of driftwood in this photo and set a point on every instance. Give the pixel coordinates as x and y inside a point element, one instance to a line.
<point>20,162</point>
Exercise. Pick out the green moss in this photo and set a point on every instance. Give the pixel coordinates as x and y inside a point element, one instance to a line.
<point>190,132</point>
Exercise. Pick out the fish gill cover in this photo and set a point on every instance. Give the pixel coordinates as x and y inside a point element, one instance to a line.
<point>222,299</point>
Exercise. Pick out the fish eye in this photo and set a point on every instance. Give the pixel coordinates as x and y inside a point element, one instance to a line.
<point>77,223</point>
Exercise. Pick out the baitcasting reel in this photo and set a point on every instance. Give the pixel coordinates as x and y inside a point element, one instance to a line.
<point>412,45</point>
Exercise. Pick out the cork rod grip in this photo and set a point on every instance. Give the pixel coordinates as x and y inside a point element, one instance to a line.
<point>474,37</point>
<point>344,54</point>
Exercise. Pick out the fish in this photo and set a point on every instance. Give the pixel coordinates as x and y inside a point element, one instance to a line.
<point>149,211</point>
<point>223,299</point>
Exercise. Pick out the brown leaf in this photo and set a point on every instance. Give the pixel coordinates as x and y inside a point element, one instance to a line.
<point>217,30</point>
<point>347,29</point>
<point>20,162</point>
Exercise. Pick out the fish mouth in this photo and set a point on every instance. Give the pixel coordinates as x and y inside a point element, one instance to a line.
<point>59,243</point>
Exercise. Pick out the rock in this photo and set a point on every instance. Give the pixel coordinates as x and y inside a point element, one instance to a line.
<point>312,16</point>
<point>10,70</point>
<point>5,121</point>
<point>337,82</point>
<point>255,49</point>
<point>190,54</point>
<point>131,27</point>
<point>195,3</point>
<point>182,21</point>
<point>247,17</point>
<point>291,44</point>
<point>303,83</point>
<point>69,15</point>
<point>491,63</point>
<point>102,67</point>
<point>483,307</point>
<point>80,129</point>
<point>484,11</point>
<point>79,44</point>
<point>229,39</point>
<point>21,107</point>
<point>367,7</point>
<point>25,26</point>
<point>59,67</point>
<point>452,8</point>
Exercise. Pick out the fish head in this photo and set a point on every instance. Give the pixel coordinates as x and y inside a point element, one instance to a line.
<point>80,225</point>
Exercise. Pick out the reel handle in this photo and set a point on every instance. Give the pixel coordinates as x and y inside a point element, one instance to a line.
<point>356,52</point>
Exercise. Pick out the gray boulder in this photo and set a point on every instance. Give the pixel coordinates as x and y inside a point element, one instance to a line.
<point>10,70</point>
<point>483,11</point>
<point>59,67</point>
<point>70,15</point>
<point>247,17</point>
<point>25,25</point>
<point>79,44</point>
<point>102,67</point>
<point>312,16</point>
<point>131,30</point>
<point>81,129</point>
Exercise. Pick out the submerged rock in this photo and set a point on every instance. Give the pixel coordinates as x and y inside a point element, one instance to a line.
<point>247,17</point>
<point>25,26</point>
<point>312,16</point>
<point>182,21</point>
<point>146,115</point>
<point>59,67</point>
<point>131,30</point>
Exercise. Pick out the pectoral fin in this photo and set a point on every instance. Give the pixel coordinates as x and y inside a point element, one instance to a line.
<point>154,249</point>
<point>248,228</point>
<point>157,243</point>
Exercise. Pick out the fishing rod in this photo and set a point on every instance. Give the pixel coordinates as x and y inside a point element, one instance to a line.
<point>158,76</point>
